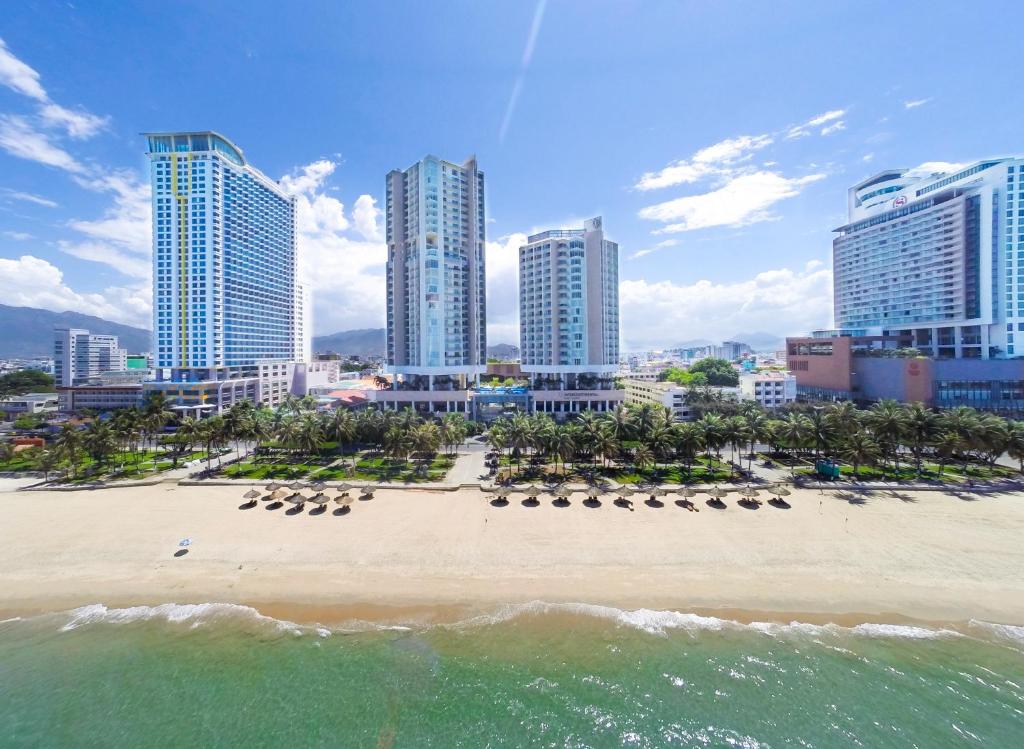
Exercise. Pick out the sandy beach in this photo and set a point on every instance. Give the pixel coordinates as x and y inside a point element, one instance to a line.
<point>930,556</point>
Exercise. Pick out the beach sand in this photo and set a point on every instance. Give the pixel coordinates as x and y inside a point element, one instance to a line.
<point>416,555</point>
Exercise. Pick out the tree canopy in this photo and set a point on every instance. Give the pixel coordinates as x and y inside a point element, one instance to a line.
<point>25,381</point>
<point>715,372</point>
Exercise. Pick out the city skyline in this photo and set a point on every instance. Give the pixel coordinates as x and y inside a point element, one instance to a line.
<point>723,211</point>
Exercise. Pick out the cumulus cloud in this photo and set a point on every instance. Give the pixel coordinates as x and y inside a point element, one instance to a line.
<point>714,159</point>
<point>19,138</point>
<point>742,200</point>
<point>121,237</point>
<point>19,236</point>
<point>345,273</point>
<point>825,118</point>
<point>30,281</point>
<point>364,214</point>
<point>783,301</point>
<point>502,258</point>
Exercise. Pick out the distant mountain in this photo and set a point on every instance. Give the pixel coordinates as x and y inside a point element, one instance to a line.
<point>761,341</point>
<point>363,342</point>
<point>27,332</point>
<point>503,351</point>
<point>695,343</point>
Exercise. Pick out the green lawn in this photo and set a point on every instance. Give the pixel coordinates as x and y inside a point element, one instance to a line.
<point>121,465</point>
<point>369,467</point>
<point>703,471</point>
<point>953,473</point>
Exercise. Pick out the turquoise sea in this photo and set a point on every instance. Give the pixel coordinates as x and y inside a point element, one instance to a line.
<point>218,675</point>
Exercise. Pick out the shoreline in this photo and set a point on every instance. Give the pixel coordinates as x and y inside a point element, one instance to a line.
<point>919,558</point>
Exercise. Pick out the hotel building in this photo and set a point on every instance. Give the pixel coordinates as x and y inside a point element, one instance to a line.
<point>79,355</point>
<point>937,259</point>
<point>932,263</point>
<point>228,309</point>
<point>569,319</point>
<point>436,311</point>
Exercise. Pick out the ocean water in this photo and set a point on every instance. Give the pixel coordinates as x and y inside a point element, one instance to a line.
<point>218,675</point>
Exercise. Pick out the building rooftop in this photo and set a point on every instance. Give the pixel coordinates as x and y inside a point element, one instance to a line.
<point>194,141</point>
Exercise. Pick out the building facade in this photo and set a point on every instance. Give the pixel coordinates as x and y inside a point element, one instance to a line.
<point>227,293</point>
<point>936,258</point>
<point>436,310</point>
<point>79,355</point>
<point>768,389</point>
<point>664,394</point>
<point>569,318</point>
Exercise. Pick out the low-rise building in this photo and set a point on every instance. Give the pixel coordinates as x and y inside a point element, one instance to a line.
<point>667,394</point>
<point>28,404</point>
<point>100,398</point>
<point>770,389</point>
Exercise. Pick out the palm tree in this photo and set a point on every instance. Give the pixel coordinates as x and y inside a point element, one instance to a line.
<point>212,434</point>
<point>46,461</point>
<point>889,425</point>
<point>920,426</point>
<point>621,422</point>
<point>1015,445</point>
<point>396,442</point>
<point>309,436</point>
<point>793,431</point>
<point>947,444</point>
<point>69,444</point>
<point>100,442</point>
<point>156,414</point>
<point>185,436</point>
<point>563,445</point>
<point>643,457</point>
<point>688,442</point>
<point>857,448</point>
<point>712,427</point>
<point>606,445</point>
<point>822,433</point>
<point>426,439</point>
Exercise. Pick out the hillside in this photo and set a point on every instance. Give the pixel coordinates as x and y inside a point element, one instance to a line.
<point>28,332</point>
<point>363,342</point>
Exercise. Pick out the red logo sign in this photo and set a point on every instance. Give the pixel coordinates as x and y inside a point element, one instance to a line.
<point>900,201</point>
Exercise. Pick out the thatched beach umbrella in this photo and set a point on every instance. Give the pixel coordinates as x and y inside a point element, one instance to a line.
<point>781,491</point>
<point>297,499</point>
<point>273,487</point>
<point>344,488</point>
<point>749,494</point>
<point>687,492</point>
<point>503,491</point>
<point>531,490</point>
<point>717,493</point>
<point>562,492</point>
<point>320,498</point>
<point>625,492</point>
<point>367,491</point>
<point>251,494</point>
<point>277,494</point>
<point>296,486</point>
<point>319,486</point>
<point>344,500</point>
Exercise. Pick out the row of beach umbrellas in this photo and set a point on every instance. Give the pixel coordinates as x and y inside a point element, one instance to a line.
<point>293,493</point>
<point>562,491</point>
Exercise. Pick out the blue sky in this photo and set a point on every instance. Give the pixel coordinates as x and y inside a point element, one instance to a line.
<point>716,139</point>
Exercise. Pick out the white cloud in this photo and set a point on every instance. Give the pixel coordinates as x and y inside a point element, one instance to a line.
<point>20,236</point>
<point>915,103</point>
<point>524,64</point>
<point>21,77</point>
<point>78,124</point>
<point>344,273</point>
<point>30,281</point>
<point>783,301</point>
<point>867,157</point>
<point>502,259</point>
<point>713,159</point>
<point>742,200</point>
<point>364,214</point>
<point>654,248</point>
<point>18,76</point>
<point>928,168</point>
<point>801,131</point>
<point>19,138</point>
<point>835,127</point>
<point>121,237</point>
<point>28,198</point>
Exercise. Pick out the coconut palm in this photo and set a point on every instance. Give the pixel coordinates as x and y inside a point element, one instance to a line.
<point>69,444</point>
<point>643,457</point>
<point>1015,444</point>
<point>888,424</point>
<point>309,437</point>
<point>947,444</point>
<point>563,445</point>
<point>46,461</point>
<point>100,442</point>
<point>606,445</point>
<point>857,448</point>
<point>688,441</point>
<point>920,425</point>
